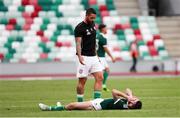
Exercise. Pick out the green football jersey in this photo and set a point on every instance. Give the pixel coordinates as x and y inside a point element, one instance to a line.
<point>109,104</point>
<point>101,41</point>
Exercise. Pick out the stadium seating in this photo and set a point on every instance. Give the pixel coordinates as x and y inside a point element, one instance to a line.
<point>42,30</point>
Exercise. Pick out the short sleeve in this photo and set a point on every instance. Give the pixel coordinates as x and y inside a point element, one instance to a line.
<point>103,41</point>
<point>78,32</point>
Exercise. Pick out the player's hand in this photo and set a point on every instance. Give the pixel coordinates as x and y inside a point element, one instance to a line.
<point>132,99</point>
<point>113,59</point>
<point>81,60</point>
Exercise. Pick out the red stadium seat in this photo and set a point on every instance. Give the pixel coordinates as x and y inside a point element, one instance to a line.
<point>157,37</point>
<point>59,44</point>
<point>118,27</point>
<point>126,26</point>
<point>40,33</point>
<point>26,27</point>
<point>116,49</point>
<point>29,21</point>
<point>33,2</point>
<point>34,14</point>
<point>12,21</point>
<point>37,8</point>
<point>103,8</point>
<point>153,51</point>
<point>66,44</point>
<point>25,2</point>
<point>104,13</point>
<point>150,43</point>
<point>9,27</point>
<point>26,15</point>
<point>137,32</point>
<point>92,2</point>
<point>1,56</point>
<point>139,37</point>
<point>43,56</point>
<point>44,39</point>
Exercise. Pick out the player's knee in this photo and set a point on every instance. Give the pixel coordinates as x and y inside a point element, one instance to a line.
<point>99,78</point>
<point>70,106</point>
<point>82,81</point>
<point>80,86</point>
<point>107,70</point>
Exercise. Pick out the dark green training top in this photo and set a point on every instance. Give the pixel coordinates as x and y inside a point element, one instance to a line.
<point>101,41</point>
<point>109,104</point>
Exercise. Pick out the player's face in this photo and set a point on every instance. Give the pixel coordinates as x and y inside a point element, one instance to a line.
<point>90,18</point>
<point>104,30</point>
<point>132,103</point>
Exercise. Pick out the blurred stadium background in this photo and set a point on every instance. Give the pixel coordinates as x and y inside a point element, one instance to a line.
<point>36,36</point>
<point>36,40</point>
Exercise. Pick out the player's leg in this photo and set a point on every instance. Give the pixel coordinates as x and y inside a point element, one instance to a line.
<point>105,76</point>
<point>133,68</point>
<point>71,106</point>
<point>105,72</point>
<point>79,106</point>
<point>82,73</point>
<point>80,89</point>
<point>97,71</point>
<point>98,84</point>
<point>135,63</point>
<point>45,107</point>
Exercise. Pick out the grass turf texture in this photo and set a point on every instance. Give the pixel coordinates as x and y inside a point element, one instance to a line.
<point>160,97</point>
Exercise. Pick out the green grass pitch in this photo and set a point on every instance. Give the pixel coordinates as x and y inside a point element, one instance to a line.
<point>160,97</point>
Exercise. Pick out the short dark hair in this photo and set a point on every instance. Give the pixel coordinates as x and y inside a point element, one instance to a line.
<point>101,26</point>
<point>138,105</point>
<point>90,11</point>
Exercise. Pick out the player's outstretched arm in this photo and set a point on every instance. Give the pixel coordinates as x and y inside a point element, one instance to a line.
<point>109,53</point>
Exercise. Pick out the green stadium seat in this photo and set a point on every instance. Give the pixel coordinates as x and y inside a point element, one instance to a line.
<point>111,6</point>
<point>135,26</point>
<point>58,2</point>
<point>8,56</point>
<point>3,9</point>
<point>164,54</point>
<point>133,20</point>
<point>121,37</point>
<point>4,21</point>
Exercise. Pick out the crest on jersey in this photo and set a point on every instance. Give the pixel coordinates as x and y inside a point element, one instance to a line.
<point>80,71</point>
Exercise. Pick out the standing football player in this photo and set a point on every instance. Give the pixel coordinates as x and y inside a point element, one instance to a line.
<point>102,49</point>
<point>88,62</point>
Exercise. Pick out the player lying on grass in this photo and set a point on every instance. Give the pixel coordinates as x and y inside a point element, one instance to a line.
<point>120,100</point>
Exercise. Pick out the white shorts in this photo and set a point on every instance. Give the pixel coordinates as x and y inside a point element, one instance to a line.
<point>96,103</point>
<point>92,65</point>
<point>104,62</point>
